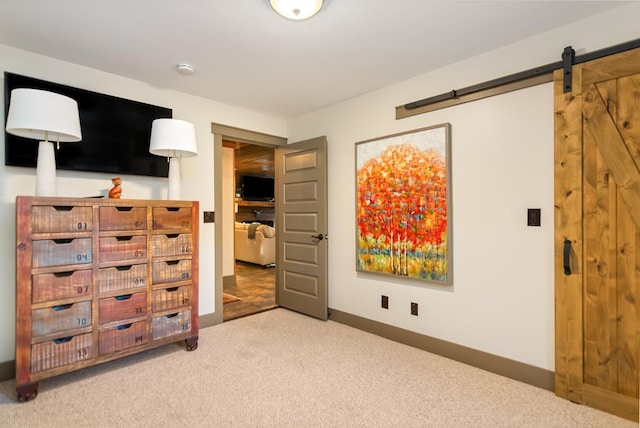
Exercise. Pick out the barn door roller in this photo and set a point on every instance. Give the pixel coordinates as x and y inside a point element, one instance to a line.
<point>568,58</point>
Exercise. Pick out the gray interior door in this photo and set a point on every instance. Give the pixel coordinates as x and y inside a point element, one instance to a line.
<point>301,227</point>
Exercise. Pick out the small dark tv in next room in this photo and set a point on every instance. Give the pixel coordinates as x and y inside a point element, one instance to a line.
<point>115,133</point>
<point>257,188</point>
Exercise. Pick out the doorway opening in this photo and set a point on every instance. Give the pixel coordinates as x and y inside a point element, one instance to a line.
<point>251,287</point>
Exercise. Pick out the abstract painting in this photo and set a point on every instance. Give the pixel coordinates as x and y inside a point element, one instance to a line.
<point>403,205</point>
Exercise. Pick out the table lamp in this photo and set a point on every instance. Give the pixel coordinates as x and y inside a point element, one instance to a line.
<point>38,115</point>
<point>173,139</point>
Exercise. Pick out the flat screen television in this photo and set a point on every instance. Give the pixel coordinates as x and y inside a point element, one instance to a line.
<point>115,133</point>
<point>257,188</point>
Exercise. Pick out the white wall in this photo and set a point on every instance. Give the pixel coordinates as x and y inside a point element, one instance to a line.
<point>502,298</point>
<point>197,172</point>
<point>228,211</point>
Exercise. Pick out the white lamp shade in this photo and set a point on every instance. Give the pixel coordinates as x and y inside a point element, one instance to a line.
<point>43,115</point>
<point>173,138</point>
<point>297,10</point>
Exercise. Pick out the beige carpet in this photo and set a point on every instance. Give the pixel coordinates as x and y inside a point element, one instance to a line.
<point>282,369</point>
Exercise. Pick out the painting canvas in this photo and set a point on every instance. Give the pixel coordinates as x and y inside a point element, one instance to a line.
<point>403,205</point>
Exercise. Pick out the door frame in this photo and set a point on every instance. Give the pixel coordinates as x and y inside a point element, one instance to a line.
<point>220,132</point>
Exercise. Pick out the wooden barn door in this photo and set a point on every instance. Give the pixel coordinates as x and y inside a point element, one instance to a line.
<point>597,234</point>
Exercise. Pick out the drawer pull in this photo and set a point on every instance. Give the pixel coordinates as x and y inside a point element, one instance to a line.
<point>124,238</point>
<point>63,241</point>
<point>124,297</point>
<point>124,268</point>
<point>62,207</point>
<point>172,262</point>
<point>173,208</point>
<point>124,208</point>
<point>123,326</point>
<point>62,340</point>
<point>62,307</point>
<point>172,235</point>
<point>171,315</point>
<point>172,289</point>
<point>63,274</point>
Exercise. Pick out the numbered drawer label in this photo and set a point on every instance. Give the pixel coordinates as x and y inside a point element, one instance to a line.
<point>171,324</point>
<point>122,277</point>
<point>123,218</point>
<point>53,219</point>
<point>116,248</point>
<point>62,351</point>
<point>58,252</point>
<point>171,297</point>
<point>171,271</point>
<point>123,336</point>
<point>60,318</point>
<point>178,244</point>
<point>171,218</point>
<point>122,307</point>
<point>61,285</point>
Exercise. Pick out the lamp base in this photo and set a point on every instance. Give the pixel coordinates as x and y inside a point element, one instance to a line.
<point>46,170</point>
<point>174,179</point>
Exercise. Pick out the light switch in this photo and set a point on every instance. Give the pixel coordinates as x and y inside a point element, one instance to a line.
<point>533,217</point>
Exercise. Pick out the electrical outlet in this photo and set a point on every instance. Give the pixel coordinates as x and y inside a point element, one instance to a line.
<point>209,216</point>
<point>414,308</point>
<point>385,302</point>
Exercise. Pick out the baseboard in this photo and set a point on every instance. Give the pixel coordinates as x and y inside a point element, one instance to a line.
<point>209,320</point>
<point>503,366</point>
<point>7,370</point>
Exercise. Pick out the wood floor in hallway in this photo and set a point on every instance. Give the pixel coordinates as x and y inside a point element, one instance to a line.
<point>254,286</point>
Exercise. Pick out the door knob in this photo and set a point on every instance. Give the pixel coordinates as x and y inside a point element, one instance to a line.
<point>319,236</point>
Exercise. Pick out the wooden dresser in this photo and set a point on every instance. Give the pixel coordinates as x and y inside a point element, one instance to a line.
<point>99,279</point>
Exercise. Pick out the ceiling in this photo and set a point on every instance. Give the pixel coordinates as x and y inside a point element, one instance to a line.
<point>247,56</point>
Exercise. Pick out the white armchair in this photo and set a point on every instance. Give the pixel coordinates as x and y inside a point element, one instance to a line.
<point>261,249</point>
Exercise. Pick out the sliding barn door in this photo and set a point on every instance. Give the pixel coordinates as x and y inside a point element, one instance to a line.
<point>597,234</point>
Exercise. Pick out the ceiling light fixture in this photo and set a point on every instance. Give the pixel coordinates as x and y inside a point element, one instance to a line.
<point>297,10</point>
<point>186,69</point>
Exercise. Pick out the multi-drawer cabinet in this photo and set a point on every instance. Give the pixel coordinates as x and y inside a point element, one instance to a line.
<point>99,279</point>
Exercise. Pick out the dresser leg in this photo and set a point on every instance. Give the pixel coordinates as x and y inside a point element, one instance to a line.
<point>27,392</point>
<point>192,343</point>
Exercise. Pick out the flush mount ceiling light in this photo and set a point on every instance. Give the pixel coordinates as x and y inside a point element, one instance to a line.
<point>297,10</point>
<point>186,69</point>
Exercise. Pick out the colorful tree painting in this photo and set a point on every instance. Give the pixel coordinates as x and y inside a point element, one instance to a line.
<point>402,205</point>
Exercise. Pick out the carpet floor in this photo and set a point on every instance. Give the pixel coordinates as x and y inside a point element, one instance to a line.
<point>283,369</point>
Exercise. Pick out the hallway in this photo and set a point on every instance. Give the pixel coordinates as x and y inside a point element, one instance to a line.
<point>254,289</point>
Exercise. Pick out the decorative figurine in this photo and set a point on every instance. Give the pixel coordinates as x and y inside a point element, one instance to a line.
<point>116,190</point>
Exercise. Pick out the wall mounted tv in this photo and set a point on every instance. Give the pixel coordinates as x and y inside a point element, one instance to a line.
<point>257,188</point>
<point>115,133</point>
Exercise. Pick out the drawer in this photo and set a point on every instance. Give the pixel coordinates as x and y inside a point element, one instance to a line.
<point>123,336</point>
<point>171,271</point>
<point>60,352</point>
<point>116,248</point>
<point>171,324</point>
<point>171,217</point>
<point>60,318</point>
<point>177,244</point>
<point>171,297</point>
<point>58,252</point>
<point>122,307</point>
<point>122,277</point>
<point>53,219</point>
<point>123,218</point>
<point>61,285</point>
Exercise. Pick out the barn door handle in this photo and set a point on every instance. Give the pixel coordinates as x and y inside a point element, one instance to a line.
<point>319,236</point>
<point>567,257</point>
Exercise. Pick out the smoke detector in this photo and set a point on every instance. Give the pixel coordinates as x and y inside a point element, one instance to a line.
<point>185,69</point>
